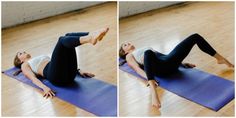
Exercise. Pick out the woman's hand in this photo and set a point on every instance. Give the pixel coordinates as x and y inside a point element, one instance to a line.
<point>48,93</point>
<point>86,74</point>
<point>188,65</point>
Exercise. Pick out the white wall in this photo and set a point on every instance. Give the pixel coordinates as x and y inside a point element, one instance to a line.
<point>131,8</point>
<point>14,13</point>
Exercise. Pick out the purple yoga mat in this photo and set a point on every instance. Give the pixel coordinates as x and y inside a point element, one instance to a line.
<point>200,87</point>
<point>92,95</point>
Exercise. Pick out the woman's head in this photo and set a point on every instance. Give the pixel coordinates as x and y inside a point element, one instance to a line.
<point>125,48</point>
<point>20,58</point>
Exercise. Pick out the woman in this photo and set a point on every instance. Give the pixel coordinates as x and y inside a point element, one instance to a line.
<point>61,69</point>
<point>157,64</point>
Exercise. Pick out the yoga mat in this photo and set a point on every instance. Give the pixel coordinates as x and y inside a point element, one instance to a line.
<point>90,94</point>
<point>200,87</point>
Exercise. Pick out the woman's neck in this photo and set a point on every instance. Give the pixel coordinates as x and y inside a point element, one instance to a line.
<point>27,59</point>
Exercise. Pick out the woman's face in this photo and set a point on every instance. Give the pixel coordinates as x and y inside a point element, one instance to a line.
<point>127,47</point>
<point>23,56</point>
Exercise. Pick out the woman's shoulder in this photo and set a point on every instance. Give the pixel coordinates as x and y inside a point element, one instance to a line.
<point>24,65</point>
<point>129,56</point>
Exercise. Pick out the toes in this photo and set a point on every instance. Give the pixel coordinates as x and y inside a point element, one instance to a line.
<point>107,29</point>
<point>98,35</point>
<point>156,106</point>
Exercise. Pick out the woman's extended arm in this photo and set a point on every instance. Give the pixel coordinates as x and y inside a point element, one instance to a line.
<point>134,65</point>
<point>28,73</point>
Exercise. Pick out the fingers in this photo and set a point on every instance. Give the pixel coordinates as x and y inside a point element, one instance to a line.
<point>192,65</point>
<point>89,75</point>
<point>86,75</point>
<point>157,83</point>
<point>52,93</point>
<point>82,75</point>
<point>48,94</point>
<point>189,65</point>
<point>44,94</point>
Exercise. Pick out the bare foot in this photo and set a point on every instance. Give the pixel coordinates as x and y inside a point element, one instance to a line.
<point>98,35</point>
<point>104,33</point>
<point>155,102</point>
<point>156,84</point>
<point>221,60</point>
<point>226,62</point>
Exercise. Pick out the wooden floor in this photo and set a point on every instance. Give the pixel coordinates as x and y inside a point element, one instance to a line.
<point>162,30</point>
<point>39,38</point>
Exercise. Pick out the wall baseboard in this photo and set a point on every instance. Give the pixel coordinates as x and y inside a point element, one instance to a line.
<point>15,13</point>
<point>132,8</point>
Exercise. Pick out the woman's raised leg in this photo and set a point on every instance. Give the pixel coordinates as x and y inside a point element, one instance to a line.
<point>80,38</point>
<point>179,53</point>
<point>62,68</point>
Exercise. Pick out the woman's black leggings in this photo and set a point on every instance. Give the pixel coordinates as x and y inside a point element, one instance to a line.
<point>157,64</point>
<point>62,68</point>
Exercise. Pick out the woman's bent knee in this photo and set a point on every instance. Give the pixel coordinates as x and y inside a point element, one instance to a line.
<point>196,35</point>
<point>149,53</point>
